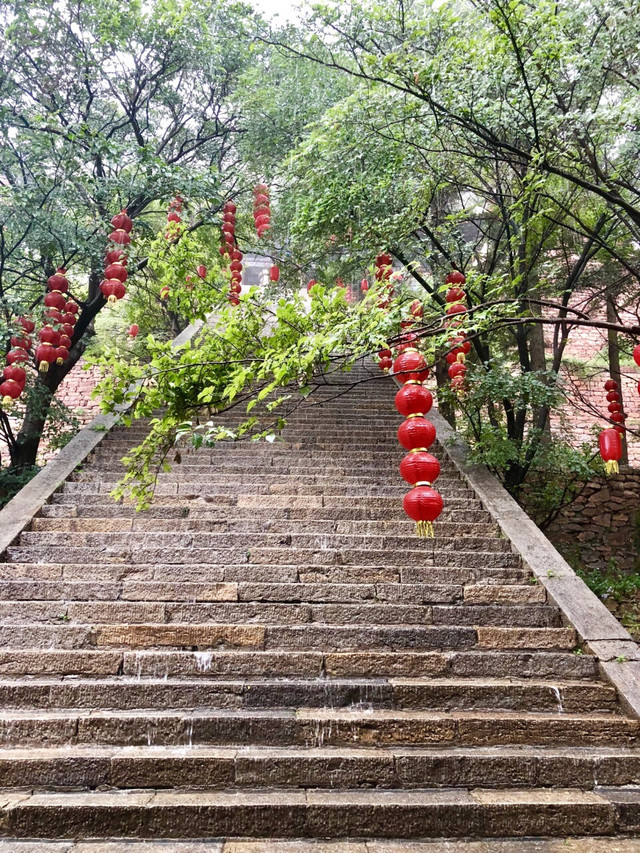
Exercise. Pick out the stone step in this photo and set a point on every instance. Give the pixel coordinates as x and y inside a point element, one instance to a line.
<point>175,510</point>
<point>440,694</point>
<point>282,637</point>
<point>581,844</point>
<point>329,557</point>
<point>249,572</point>
<point>274,613</point>
<point>166,664</point>
<point>179,541</point>
<point>224,522</point>
<point>358,506</point>
<point>314,727</point>
<point>410,594</point>
<point>174,484</point>
<point>210,768</point>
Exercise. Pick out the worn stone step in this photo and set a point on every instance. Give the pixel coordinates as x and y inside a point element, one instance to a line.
<point>169,484</point>
<point>422,559</point>
<point>181,540</point>
<point>442,694</point>
<point>224,522</point>
<point>249,572</point>
<point>168,663</point>
<point>314,727</point>
<point>310,814</point>
<point>275,613</point>
<point>206,767</point>
<point>282,637</point>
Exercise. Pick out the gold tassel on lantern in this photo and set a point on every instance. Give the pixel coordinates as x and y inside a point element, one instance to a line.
<point>43,367</point>
<point>611,467</point>
<point>424,529</point>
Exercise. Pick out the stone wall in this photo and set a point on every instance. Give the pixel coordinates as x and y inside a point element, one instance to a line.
<point>601,528</point>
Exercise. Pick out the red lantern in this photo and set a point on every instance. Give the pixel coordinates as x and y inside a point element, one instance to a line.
<point>133,330</point>
<point>610,450</point>
<point>613,397</point>
<point>55,299</point>
<point>420,468</point>
<point>457,383</point>
<point>636,355</point>
<point>455,294</point>
<point>423,504</point>
<point>235,287</point>
<point>416,433</point>
<point>165,293</point>
<point>385,364</point>
<point>116,270</point>
<point>21,341</point>
<point>614,407</point>
<point>416,308</point>
<point>229,207</point>
<point>27,324</point>
<point>71,308</point>
<point>384,353</point>
<point>121,222</point>
<point>173,216</point>
<point>312,284</point>
<point>410,365</point>
<point>15,373</point>
<point>116,256</point>
<point>274,273</point>
<point>10,390</point>
<point>610,385</point>
<point>202,271</point>
<point>413,399</point>
<point>48,335</point>
<point>120,237</point>
<point>62,354</point>
<point>364,285</point>
<point>45,355</point>
<point>618,417</point>
<point>16,356</point>
<point>58,281</point>
<point>65,341</point>
<point>455,277</point>
<point>457,369</point>
<point>233,299</point>
<point>235,266</point>
<point>107,288</point>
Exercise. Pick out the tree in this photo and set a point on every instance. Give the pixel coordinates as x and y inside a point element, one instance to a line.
<point>104,107</point>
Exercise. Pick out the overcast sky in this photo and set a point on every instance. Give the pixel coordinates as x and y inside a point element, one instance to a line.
<point>284,9</point>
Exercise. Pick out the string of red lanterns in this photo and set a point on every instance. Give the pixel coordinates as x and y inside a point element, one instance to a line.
<point>14,374</point>
<point>261,209</point>
<point>610,439</point>
<point>459,346</point>
<point>416,434</point>
<point>115,272</point>
<point>59,319</point>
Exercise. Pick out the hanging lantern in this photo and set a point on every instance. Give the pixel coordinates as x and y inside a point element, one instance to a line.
<point>17,356</point>
<point>202,271</point>
<point>122,222</point>
<point>58,281</point>
<point>416,433</point>
<point>48,335</point>
<point>55,299</point>
<point>165,293</point>
<point>21,341</point>
<point>120,237</point>
<point>611,450</point>
<point>229,207</point>
<point>27,324</point>
<point>133,330</point>
<point>312,284</point>
<point>423,504</point>
<point>420,468</point>
<point>62,354</point>
<point>15,373</point>
<point>10,390</point>
<point>71,307</point>
<point>233,299</point>
<point>455,294</point>
<point>116,270</point>
<point>413,399</point>
<point>458,368</point>
<point>416,308</point>
<point>174,216</point>
<point>364,285</point>
<point>107,288</point>
<point>410,365</point>
<point>45,355</point>
<point>455,277</point>
<point>274,273</point>
<point>636,354</point>
<point>116,256</point>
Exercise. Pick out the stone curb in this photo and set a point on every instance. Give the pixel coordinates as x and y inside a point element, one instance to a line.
<point>600,631</point>
<point>19,512</point>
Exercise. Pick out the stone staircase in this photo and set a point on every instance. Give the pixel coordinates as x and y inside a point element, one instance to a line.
<point>270,652</point>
